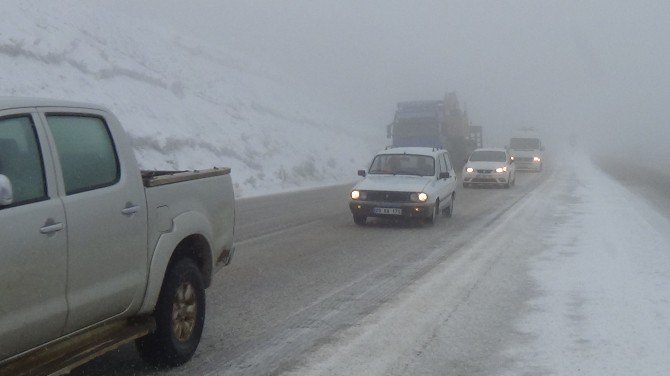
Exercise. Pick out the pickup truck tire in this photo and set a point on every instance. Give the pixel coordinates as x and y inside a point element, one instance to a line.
<point>180,317</point>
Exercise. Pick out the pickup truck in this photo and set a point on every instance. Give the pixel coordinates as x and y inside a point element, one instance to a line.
<point>94,252</point>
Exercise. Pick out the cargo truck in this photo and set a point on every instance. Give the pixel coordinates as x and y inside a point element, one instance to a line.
<point>435,123</point>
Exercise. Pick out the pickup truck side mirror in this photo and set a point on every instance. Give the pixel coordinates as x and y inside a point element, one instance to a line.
<point>444,175</point>
<point>6,194</point>
<point>361,173</point>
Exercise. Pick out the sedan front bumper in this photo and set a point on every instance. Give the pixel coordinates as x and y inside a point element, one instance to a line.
<point>493,179</point>
<point>407,209</point>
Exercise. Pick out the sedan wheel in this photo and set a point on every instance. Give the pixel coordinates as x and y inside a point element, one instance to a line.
<point>448,212</point>
<point>360,220</point>
<point>436,211</point>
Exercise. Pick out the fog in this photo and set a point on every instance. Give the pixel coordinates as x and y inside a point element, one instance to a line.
<point>596,68</point>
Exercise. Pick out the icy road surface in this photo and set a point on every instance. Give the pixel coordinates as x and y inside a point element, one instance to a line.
<point>566,273</point>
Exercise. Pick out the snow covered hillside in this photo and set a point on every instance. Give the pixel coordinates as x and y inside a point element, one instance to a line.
<point>187,104</point>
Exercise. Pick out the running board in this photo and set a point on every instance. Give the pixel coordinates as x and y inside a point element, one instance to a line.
<point>62,356</point>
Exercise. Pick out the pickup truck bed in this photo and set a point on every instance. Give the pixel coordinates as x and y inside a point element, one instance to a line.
<point>155,178</point>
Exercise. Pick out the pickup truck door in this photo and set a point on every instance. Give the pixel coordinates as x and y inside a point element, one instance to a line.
<point>105,206</point>
<point>33,240</point>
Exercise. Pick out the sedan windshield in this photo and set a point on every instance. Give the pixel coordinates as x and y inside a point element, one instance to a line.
<point>403,164</point>
<point>488,156</point>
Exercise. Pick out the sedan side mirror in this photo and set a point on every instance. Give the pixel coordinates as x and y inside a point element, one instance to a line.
<point>444,175</point>
<point>361,173</point>
<point>6,195</point>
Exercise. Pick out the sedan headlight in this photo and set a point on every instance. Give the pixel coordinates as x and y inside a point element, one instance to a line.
<point>470,170</point>
<point>536,159</point>
<point>501,169</point>
<point>512,158</point>
<point>421,197</point>
<point>355,195</point>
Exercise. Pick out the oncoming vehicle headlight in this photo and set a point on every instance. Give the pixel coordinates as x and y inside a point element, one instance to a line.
<point>536,159</point>
<point>512,158</point>
<point>355,195</point>
<point>470,170</point>
<point>421,197</point>
<point>501,169</point>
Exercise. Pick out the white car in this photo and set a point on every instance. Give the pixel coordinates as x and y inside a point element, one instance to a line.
<point>489,167</point>
<point>407,182</point>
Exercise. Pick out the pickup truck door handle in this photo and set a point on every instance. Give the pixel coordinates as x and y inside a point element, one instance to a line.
<point>51,227</point>
<point>130,209</point>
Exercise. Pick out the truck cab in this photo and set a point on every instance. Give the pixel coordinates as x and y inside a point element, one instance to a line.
<point>527,152</point>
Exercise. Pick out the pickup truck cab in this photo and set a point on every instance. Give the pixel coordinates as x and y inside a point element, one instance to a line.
<point>87,239</point>
<point>405,182</point>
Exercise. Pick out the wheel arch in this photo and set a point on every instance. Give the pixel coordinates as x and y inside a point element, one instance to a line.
<point>190,237</point>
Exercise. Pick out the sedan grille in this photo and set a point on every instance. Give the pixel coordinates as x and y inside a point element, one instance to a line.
<point>484,171</point>
<point>387,196</point>
<point>523,159</point>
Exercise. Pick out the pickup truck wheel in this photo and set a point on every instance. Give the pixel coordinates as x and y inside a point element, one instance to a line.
<point>360,220</point>
<point>180,317</point>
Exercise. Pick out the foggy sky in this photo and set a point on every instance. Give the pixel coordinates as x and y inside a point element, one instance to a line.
<point>597,68</point>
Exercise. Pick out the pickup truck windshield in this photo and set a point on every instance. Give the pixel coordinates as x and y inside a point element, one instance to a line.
<point>403,164</point>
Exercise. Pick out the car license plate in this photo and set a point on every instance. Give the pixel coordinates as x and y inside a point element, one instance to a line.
<point>390,211</point>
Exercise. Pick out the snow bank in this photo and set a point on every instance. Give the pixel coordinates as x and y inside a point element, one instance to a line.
<point>187,104</point>
<point>605,308</point>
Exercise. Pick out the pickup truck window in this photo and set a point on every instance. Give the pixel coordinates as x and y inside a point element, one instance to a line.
<point>21,159</point>
<point>86,152</point>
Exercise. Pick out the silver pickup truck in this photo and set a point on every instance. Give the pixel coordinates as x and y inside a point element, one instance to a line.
<point>94,252</point>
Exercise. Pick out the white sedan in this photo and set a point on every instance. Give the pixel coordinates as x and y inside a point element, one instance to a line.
<point>408,182</point>
<point>489,167</point>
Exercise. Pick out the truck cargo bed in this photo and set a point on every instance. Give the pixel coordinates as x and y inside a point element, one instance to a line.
<point>156,178</point>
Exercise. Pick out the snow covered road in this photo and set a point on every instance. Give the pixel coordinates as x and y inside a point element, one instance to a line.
<point>566,273</point>
<point>573,280</point>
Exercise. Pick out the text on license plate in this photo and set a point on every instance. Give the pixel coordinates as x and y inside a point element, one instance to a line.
<point>391,211</point>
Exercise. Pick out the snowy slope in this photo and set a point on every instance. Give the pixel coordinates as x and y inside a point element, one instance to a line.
<point>187,104</point>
